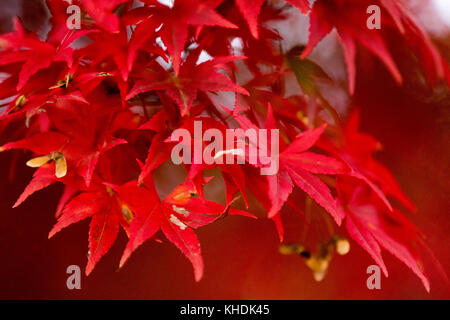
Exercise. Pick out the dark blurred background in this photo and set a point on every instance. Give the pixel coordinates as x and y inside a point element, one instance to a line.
<point>241,255</point>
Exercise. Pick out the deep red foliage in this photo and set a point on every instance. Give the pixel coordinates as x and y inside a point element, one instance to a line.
<point>88,103</point>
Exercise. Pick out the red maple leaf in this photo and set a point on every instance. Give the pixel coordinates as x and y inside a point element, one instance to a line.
<point>349,19</point>
<point>298,166</point>
<point>357,150</point>
<point>107,212</point>
<point>250,10</point>
<point>176,215</point>
<point>177,20</point>
<point>76,152</point>
<point>97,108</point>
<point>33,53</point>
<point>371,225</point>
<point>102,11</point>
<point>193,77</point>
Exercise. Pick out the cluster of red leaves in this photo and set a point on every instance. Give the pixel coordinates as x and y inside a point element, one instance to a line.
<point>88,103</point>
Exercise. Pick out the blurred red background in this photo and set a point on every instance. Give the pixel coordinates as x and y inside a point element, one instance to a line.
<point>241,255</point>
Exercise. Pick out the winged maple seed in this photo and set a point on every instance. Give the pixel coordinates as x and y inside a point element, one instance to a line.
<point>320,261</point>
<point>88,103</point>
<point>60,163</point>
<point>346,16</point>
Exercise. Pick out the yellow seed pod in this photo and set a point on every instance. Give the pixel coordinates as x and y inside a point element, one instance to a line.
<point>127,213</point>
<point>109,190</point>
<point>38,161</point>
<point>303,118</point>
<point>20,102</point>
<point>288,249</point>
<point>317,264</point>
<point>63,83</point>
<point>60,165</point>
<point>59,84</point>
<point>342,246</point>
<point>103,74</point>
<point>69,78</point>
<point>181,210</point>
